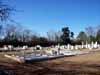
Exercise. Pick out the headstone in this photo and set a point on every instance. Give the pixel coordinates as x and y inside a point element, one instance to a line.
<point>76,48</point>
<point>38,47</point>
<point>92,44</point>
<point>10,47</point>
<point>68,46</point>
<point>62,47</point>
<point>65,46</point>
<point>5,47</point>
<point>25,47</point>
<point>98,45</point>
<point>82,46</point>
<point>95,45</point>
<point>86,46</point>
<point>72,47</point>
<point>89,47</point>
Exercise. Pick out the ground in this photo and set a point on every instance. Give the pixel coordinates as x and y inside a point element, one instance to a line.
<point>76,65</point>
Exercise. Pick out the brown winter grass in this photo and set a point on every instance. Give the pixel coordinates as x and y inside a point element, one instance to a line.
<point>77,65</point>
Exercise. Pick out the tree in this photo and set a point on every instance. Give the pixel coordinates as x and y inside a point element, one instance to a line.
<point>51,35</point>
<point>82,37</point>
<point>98,36</point>
<point>72,35</point>
<point>66,36</point>
<point>10,32</point>
<point>4,12</point>
<point>1,31</point>
<point>58,37</point>
<point>54,36</point>
<point>91,33</point>
<point>26,35</point>
<point>34,40</point>
<point>42,41</point>
<point>92,39</point>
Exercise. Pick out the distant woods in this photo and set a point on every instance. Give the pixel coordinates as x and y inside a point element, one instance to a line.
<point>13,35</point>
<point>16,35</point>
<point>91,34</point>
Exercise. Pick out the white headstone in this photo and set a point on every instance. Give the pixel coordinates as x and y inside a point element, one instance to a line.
<point>92,45</point>
<point>62,47</point>
<point>76,48</point>
<point>25,47</point>
<point>10,47</point>
<point>5,47</point>
<point>89,47</point>
<point>95,45</point>
<point>72,47</point>
<point>38,47</point>
<point>68,46</point>
<point>86,46</point>
<point>82,46</point>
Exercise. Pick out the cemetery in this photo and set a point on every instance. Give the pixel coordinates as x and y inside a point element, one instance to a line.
<point>67,56</point>
<point>38,54</point>
<point>49,37</point>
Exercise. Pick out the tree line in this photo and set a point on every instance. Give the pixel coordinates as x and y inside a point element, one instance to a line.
<point>13,35</point>
<point>91,34</point>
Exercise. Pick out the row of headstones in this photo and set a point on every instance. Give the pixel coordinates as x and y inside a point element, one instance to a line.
<point>57,49</point>
<point>68,47</point>
<point>76,47</point>
<point>11,47</point>
<point>71,47</point>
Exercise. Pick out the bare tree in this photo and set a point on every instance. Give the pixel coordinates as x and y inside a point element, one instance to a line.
<point>90,31</point>
<point>10,32</point>
<point>51,35</point>
<point>26,35</point>
<point>4,11</point>
<point>58,36</point>
<point>82,37</point>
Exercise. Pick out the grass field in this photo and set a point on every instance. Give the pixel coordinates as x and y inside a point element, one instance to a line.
<point>77,65</point>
